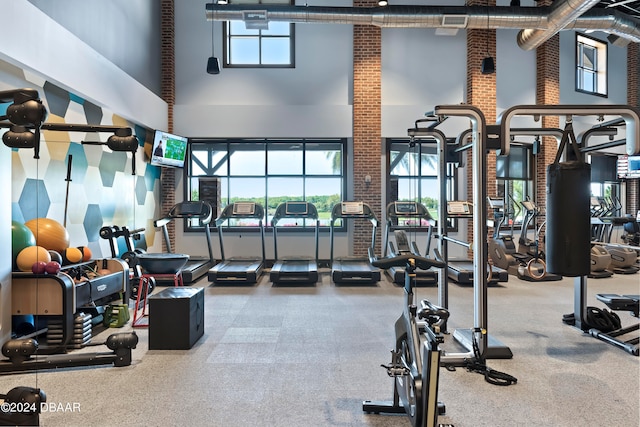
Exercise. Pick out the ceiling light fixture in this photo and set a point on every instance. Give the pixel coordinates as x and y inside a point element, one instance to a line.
<point>383,3</point>
<point>488,64</point>
<point>213,65</point>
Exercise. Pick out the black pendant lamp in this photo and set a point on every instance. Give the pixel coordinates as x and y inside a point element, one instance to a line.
<point>213,65</point>
<point>488,64</point>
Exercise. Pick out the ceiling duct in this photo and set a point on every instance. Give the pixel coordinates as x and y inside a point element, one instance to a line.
<point>566,14</point>
<point>562,13</point>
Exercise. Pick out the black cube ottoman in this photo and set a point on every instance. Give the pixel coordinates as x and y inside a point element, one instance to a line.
<point>176,318</point>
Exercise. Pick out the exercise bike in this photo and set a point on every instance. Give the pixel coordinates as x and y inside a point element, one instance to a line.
<point>415,361</point>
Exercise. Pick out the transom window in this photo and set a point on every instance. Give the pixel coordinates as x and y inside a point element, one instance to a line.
<point>267,172</point>
<point>591,65</point>
<point>257,42</point>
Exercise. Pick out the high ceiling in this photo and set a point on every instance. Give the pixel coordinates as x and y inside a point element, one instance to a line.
<point>630,7</point>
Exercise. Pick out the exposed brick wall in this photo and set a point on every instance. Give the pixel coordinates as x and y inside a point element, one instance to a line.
<point>168,94</point>
<point>481,93</point>
<point>367,131</point>
<point>547,93</point>
<point>633,98</point>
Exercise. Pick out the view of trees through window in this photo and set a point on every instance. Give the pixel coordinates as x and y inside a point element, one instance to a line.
<point>413,176</point>
<point>269,172</point>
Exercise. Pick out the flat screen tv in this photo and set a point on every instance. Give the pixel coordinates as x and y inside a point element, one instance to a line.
<point>629,167</point>
<point>634,167</point>
<point>168,150</point>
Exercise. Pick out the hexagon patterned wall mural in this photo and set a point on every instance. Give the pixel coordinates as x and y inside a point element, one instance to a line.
<point>100,189</point>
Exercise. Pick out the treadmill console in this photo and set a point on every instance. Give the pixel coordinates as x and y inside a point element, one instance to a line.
<point>244,208</point>
<point>405,208</point>
<point>459,208</point>
<point>296,208</point>
<point>352,208</point>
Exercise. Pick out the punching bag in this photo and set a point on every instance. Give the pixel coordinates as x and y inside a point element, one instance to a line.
<point>568,237</point>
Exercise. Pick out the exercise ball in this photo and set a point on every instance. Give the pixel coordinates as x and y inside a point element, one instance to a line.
<point>30,255</point>
<point>50,234</point>
<point>21,237</point>
<point>86,253</point>
<point>71,256</point>
<point>56,256</point>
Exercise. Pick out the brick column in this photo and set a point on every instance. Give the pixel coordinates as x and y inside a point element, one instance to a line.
<point>547,93</point>
<point>481,93</point>
<point>633,98</point>
<point>367,132</point>
<point>168,94</point>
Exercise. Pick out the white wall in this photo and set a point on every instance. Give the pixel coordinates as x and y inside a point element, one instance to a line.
<point>36,43</point>
<point>125,32</point>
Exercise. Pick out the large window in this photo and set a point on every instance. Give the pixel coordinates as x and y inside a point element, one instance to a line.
<point>267,172</point>
<point>591,65</point>
<point>515,181</point>
<point>413,176</point>
<point>257,42</point>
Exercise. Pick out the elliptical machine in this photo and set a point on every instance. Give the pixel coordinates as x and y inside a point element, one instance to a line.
<point>415,361</point>
<point>528,265</point>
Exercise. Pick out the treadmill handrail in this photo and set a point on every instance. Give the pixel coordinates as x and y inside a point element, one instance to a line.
<point>336,213</point>
<point>229,213</point>
<point>312,213</point>
<point>205,214</point>
<point>422,213</point>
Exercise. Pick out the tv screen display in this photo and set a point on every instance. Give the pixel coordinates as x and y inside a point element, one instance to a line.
<point>634,167</point>
<point>168,150</point>
<point>629,167</point>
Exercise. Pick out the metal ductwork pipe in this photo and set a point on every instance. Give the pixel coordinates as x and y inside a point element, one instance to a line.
<point>568,14</point>
<point>562,13</point>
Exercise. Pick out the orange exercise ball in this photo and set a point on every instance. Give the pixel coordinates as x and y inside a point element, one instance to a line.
<point>71,256</point>
<point>30,255</point>
<point>86,253</point>
<point>50,234</point>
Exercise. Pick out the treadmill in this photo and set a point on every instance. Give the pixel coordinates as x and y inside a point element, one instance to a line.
<point>238,270</point>
<point>353,270</point>
<point>201,211</point>
<point>294,270</point>
<point>461,270</point>
<point>417,212</point>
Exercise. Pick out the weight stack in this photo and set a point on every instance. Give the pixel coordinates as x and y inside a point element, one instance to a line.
<point>82,330</point>
<point>55,331</point>
<point>568,236</point>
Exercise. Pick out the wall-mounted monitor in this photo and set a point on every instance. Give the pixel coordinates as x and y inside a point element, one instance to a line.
<point>634,167</point>
<point>168,150</point>
<point>629,167</point>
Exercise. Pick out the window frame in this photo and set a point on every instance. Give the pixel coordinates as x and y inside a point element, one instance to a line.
<point>227,38</point>
<point>425,146</point>
<point>599,70</point>
<point>263,145</point>
<point>506,185</point>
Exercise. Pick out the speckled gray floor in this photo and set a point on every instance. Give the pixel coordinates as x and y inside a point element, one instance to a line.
<point>309,356</point>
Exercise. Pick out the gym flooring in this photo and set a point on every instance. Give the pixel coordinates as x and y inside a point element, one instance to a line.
<point>309,355</point>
